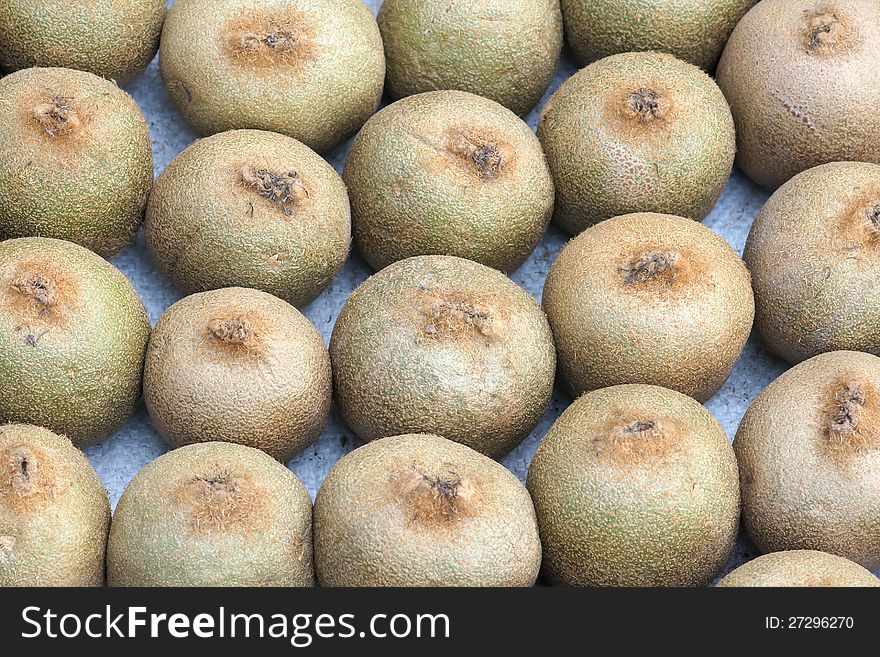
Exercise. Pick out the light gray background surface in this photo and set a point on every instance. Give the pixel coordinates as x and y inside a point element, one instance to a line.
<point>119,458</point>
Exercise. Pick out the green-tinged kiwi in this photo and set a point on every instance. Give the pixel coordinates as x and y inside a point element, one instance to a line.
<point>801,77</point>
<point>635,485</point>
<point>240,366</point>
<point>73,333</point>
<point>310,69</point>
<point>420,510</point>
<point>54,511</point>
<point>443,345</point>
<point>115,40</point>
<point>813,255</point>
<point>448,173</point>
<point>800,568</point>
<point>249,208</point>
<point>506,50</point>
<point>692,30</point>
<point>212,514</point>
<point>637,132</point>
<point>75,159</point>
<point>809,458</point>
<point>648,298</point>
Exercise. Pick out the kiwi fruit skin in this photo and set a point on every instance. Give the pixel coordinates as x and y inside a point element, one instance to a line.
<point>249,208</point>
<point>801,79</point>
<point>799,568</point>
<point>809,456</point>
<point>812,251</point>
<point>75,159</point>
<point>448,173</point>
<point>311,69</point>
<point>648,298</point>
<point>73,333</point>
<point>445,345</point>
<point>506,51</point>
<point>114,40</point>
<point>692,30</point>
<point>54,511</point>
<point>240,366</point>
<point>212,514</point>
<point>420,510</point>
<point>636,132</point>
<point>635,485</point>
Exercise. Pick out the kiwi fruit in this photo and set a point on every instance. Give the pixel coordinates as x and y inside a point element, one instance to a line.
<point>249,208</point>
<point>75,159</point>
<point>635,485</point>
<point>420,510</point>
<point>809,458</point>
<point>648,298</point>
<point>73,333</point>
<point>637,132</point>
<point>114,40</point>
<point>692,30</point>
<point>800,568</point>
<point>212,514</point>
<point>54,511</point>
<point>310,69</point>
<point>812,252</point>
<point>448,173</point>
<point>443,345</point>
<point>506,50</point>
<point>801,77</point>
<point>240,366</point>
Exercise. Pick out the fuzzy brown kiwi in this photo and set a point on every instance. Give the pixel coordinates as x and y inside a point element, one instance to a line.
<point>635,485</point>
<point>75,159</point>
<point>420,510</point>
<point>310,69</point>
<point>813,253</point>
<point>249,208</point>
<point>448,173</point>
<point>800,568</point>
<point>114,40</point>
<point>241,366</point>
<point>648,298</point>
<point>801,78</point>
<point>54,511</point>
<point>212,514</point>
<point>442,344</point>
<point>809,455</point>
<point>73,333</point>
<point>637,132</point>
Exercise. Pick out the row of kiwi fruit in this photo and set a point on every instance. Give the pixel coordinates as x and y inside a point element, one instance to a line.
<point>436,345</point>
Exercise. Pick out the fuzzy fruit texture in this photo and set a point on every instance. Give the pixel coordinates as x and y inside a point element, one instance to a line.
<point>114,40</point>
<point>310,69</point>
<point>448,173</point>
<point>638,132</point>
<point>249,208</point>
<point>692,30</point>
<point>212,514</point>
<point>813,255</point>
<point>635,485</point>
<point>506,50</point>
<point>801,77</point>
<point>240,366</point>
<point>73,333</point>
<point>443,345</point>
<point>809,455</point>
<point>420,510</point>
<point>54,511</point>
<point>75,159</point>
<point>800,568</point>
<point>648,298</point>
